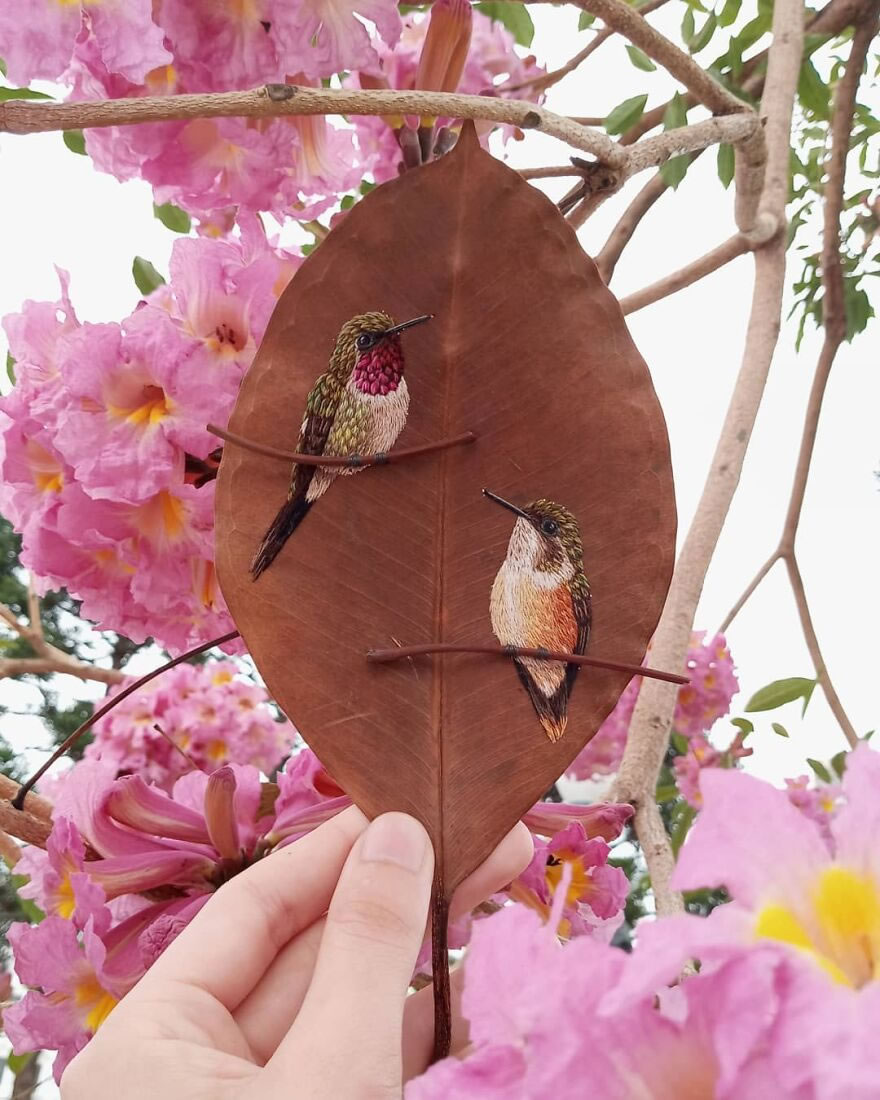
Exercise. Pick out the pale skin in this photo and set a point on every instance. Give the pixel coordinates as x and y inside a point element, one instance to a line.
<point>291,983</point>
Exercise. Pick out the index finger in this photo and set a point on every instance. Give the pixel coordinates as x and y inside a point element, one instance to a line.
<point>231,943</point>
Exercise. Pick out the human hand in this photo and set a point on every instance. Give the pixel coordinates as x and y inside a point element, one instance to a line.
<point>267,994</point>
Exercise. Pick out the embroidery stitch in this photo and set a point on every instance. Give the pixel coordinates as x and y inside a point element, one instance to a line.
<point>541,600</point>
<point>357,406</point>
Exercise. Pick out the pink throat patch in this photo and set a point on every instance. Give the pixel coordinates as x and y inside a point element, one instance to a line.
<point>379,371</point>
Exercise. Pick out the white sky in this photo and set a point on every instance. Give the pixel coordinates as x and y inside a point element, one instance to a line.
<point>56,209</point>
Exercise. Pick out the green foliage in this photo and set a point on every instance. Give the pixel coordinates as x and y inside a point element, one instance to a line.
<point>626,114</point>
<point>779,729</point>
<point>780,692</point>
<point>75,141</point>
<point>814,94</point>
<point>820,770</point>
<point>172,217</point>
<point>10,367</point>
<point>21,93</point>
<point>514,16</point>
<point>640,59</point>
<point>675,169</point>
<point>146,277</point>
<point>585,19</point>
<point>726,164</point>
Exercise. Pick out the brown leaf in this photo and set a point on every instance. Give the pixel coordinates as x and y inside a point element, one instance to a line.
<point>530,351</point>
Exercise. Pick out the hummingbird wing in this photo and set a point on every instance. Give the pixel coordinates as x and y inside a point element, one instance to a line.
<point>322,406</point>
<point>582,606</point>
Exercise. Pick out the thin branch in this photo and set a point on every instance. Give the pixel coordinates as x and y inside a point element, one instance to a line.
<point>733,247</point>
<point>622,233</point>
<point>735,129</point>
<point>27,825</point>
<point>60,663</point>
<point>10,852</point>
<point>399,653</point>
<point>649,729</point>
<point>546,80</point>
<point>834,323</point>
<point>36,638</point>
<point>37,805</point>
<point>629,22</point>
<point>273,100</point>
<point>69,742</point>
<point>13,621</point>
<point>550,172</point>
<point>350,461</point>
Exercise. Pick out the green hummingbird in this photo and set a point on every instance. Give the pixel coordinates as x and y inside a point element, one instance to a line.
<point>358,406</point>
<point>541,600</point>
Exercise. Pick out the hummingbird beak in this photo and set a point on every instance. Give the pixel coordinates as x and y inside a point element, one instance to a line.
<point>506,504</point>
<point>407,324</point>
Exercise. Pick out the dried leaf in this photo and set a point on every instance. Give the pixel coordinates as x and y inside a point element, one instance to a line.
<point>529,350</point>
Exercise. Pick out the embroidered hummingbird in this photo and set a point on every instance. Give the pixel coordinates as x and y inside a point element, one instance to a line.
<point>357,406</point>
<point>541,600</point>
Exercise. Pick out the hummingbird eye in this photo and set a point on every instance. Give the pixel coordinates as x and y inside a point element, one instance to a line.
<point>549,526</point>
<point>365,341</point>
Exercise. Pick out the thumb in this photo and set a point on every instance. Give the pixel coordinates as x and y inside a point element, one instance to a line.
<point>348,1032</point>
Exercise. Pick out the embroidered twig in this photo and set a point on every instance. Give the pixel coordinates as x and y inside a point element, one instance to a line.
<point>354,462</point>
<point>385,656</point>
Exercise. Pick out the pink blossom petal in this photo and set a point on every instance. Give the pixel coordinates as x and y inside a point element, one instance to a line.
<point>856,827</point>
<point>739,813</point>
<point>149,810</point>
<point>132,874</point>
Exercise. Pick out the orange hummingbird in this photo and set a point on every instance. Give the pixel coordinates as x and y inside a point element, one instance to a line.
<point>541,600</point>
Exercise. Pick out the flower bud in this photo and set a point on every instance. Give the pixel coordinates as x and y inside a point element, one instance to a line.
<point>220,813</point>
<point>446,46</point>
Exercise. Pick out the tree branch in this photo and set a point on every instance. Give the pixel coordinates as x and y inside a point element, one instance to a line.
<point>32,825</point>
<point>652,717</point>
<point>272,100</point>
<point>834,323</point>
<point>735,246</point>
<point>621,234</point>
<point>60,663</point>
<point>737,129</point>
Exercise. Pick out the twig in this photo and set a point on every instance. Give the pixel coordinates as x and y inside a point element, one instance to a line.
<point>68,742</point>
<point>351,461</point>
<point>386,656</point>
<point>734,246</point>
<point>24,824</point>
<point>10,852</point>
<point>272,100</point>
<point>550,172</point>
<point>36,637</point>
<point>50,659</point>
<point>629,22</point>
<point>621,234</point>
<point>834,323</point>
<point>649,728</point>
<point>546,80</point>
<point>736,129</point>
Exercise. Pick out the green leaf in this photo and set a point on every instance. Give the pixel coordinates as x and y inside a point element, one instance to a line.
<point>366,187</point>
<point>675,114</point>
<point>781,692</point>
<point>21,93</point>
<point>668,793</point>
<point>75,141</point>
<point>743,725</point>
<point>641,59</point>
<point>348,202</point>
<point>308,249</point>
<point>729,12</point>
<point>821,771</point>
<point>726,164</point>
<point>679,742</point>
<point>702,38</point>
<point>626,114</point>
<point>10,367</point>
<point>31,910</point>
<point>2,66</point>
<point>586,19</point>
<point>813,92</point>
<point>17,1062</point>
<point>838,762</point>
<point>777,728</point>
<point>146,277</point>
<point>688,26</point>
<point>682,820</point>
<point>514,16</point>
<point>673,171</point>
<point>172,217</point>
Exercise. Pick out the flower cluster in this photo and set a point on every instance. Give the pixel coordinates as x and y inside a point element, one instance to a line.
<point>105,927</point>
<point>819,803</point>
<point>788,976</point>
<point>194,715</point>
<point>106,459</point>
<point>296,166</point>
<point>699,705</point>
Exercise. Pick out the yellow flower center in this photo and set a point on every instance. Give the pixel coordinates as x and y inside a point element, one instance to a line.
<point>840,930</point>
<point>162,517</point>
<point>147,408</point>
<point>65,903</point>
<point>94,1002</point>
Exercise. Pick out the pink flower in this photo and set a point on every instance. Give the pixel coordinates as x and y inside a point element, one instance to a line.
<point>328,36</point>
<point>820,898</point>
<point>58,881</point>
<point>818,803</point>
<point>539,1014</point>
<point>208,716</point>
<point>596,893</point>
<point>105,453</point>
<point>698,706</point>
<point>39,37</point>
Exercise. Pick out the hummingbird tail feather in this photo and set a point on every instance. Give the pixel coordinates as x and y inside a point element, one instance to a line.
<point>551,709</point>
<point>289,517</point>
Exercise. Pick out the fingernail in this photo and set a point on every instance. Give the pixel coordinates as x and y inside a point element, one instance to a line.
<point>395,838</point>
